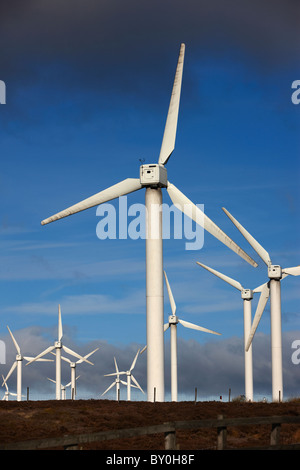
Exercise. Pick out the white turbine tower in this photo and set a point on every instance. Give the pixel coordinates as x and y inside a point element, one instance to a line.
<point>58,346</point>
<point>247,296</point>
<point>273,288</point>
<point>7,393</point>
<point>73,370</point>
<point>116,382</point>
<point>18,364</point>
<point>172,324</point>
<point>130,377</point>
<point>153,177</point>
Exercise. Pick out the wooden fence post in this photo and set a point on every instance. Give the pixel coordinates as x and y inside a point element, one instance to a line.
<point>170,439</point>
<point>275,434</point>
<point>222,435</point>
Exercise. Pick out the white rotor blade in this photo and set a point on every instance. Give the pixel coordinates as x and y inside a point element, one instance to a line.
<point>168,142</point>
<point>292,271</point>
<point>166,326</point>
<point>60,329</point>
<point>10,372</point>
<point>255,245</point>
<point>108,388</point>
<point>192,211</point>
<point>172,301</point>
<point>227,279</point>
<point>263,299</point>
<point>28,358</point>
<point>48,350</point>
<point>138,385</point>
<point>134,361</point>
<point>196,327</point>
<point>259,288</point>
<point>15,342</point>
<point>116,365</point>
<point>87,355</point>
<point>68,350</point>
<point>120,189</point>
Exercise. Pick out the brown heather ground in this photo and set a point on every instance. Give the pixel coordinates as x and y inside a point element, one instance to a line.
<point>25,420</point>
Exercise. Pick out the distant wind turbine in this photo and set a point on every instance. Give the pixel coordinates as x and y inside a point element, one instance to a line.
<point>116,382</point>
<point>172,324</point>
<point>73,370</point>
<point>130,377</point>
<point>7,393</point>
<point>273,289</point>
<point>63,387</point>
<point>247,296</point>
<point>153,177</point>
<point>58,346</point>
<point>18,364</point>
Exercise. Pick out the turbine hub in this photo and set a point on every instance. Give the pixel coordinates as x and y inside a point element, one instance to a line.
<point>153,175</point>
<point>173,319</point>
<point>18,357</point>
<point>57,344</point>
<point>275,272</point>
<point>247,294</point>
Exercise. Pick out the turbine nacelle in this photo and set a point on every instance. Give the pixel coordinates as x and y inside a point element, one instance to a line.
<point>274,271</point>
<point>173,320</point>
<point>247,294</point>
<point>58,344</point>
<point>153,175</point>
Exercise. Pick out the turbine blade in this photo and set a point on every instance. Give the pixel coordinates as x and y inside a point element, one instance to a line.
<point>87,355</point>
<point>60,329</point>
<point>192,211</point>
<point>169,137</point>
<point>259,288</point>
<point>116,365</point>
<point>292,271</point>
<point>68,350</point>
<point>28,358</point>
<point>187,324</point>
<point>264,255</point>
<point>15,342</point>
<point>144,349</point>
<point>166,326</point>
<point>134,361</point>
<point>108,388</point>
<point>172,301</point>
<point>263,299</point>
<point>10,372</point>
<point>137,384</point>
<point>41,354</point>
<point>227,279</point>
<point>120,189</point>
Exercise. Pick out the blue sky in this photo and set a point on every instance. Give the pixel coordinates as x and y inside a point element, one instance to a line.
<point>88,91</point>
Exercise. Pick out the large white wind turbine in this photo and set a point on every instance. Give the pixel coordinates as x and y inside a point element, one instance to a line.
<point>129,377</point>
<point>273,289</point>
<point>73,370</point>
<point>172,324</point>
<point>58,346</point>
<point>247,296</point>
<point>18,364</point>
<point>153,177</point>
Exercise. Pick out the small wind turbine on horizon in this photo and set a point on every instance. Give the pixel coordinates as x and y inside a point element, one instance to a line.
<point>153,177</point>
<point>63,387</point>
<point>18,364</point>
<point>7,393</point>
<point>172,324</point>
<point>129,377</point>
<point>58,346</point>
<point>273,289</point>
<point>73,370</point>
<point>247,296</point>
<point>116,382</point>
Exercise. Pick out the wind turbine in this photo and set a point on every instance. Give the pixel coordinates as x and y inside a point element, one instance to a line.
<point>18,364</point>
<point>273,289</point>
<point>116,382</point>
<point>153,177</point>
<point>73,370</point>
<point>7,393</point>
<point>129,377</point>
<point>58,346</point>
<point>63,387</point>
<point>173,322</point>
<point>247,296</point>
